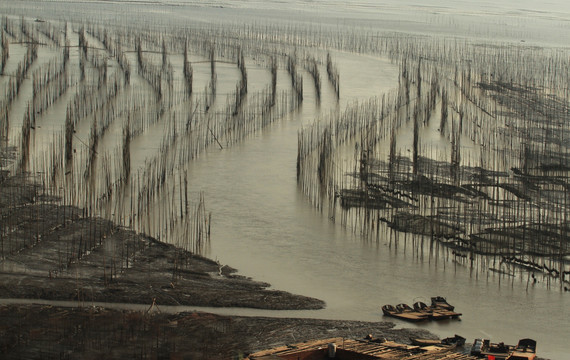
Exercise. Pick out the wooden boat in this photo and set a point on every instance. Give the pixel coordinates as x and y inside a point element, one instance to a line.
<point>388,309</point>
<point>404,308</point>
<point>476,347</point>
<point>441,302</point>
<point>525,350</point>
<point>424,342</point>
<point>435,312</point>
<point>420,306</point>
<point>455,341</point>
<point>486,349</point>
<point>403,312</point>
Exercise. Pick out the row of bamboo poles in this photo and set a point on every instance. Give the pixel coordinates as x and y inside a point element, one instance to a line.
<point>484,170</point>
<point>117,86</point>
<point>482,166</point>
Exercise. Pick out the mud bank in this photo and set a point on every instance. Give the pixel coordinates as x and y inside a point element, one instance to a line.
<point>29,331</point>
<point>53,252</point>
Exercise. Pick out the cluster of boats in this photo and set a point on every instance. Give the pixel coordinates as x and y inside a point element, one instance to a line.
<point>441,309</point>
<point>438,310</point>
<point>485,349</point>
<point>524,350</point>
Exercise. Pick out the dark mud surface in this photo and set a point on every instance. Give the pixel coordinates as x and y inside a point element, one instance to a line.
<point>58,268</point>
<point>40,331</point>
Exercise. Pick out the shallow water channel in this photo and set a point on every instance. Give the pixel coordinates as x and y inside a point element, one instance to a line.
<point>265,227</point>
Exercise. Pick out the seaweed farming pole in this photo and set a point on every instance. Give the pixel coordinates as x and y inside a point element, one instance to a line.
<point>334,76</point>
<point>5,52</point>
<point>273,70</point>
<point>444,109</point>
<point>415,142</point>
<point>4,127</point>
<point>50,82</point>
<point>15,82</point>
<point>187,71</point>
<point>127,150</point>
<point>4,119</point>
<point>213,77</point>
<point>164,55</point>
<point>241,87</point>
<point>242,70</point>
<point>313,69</point>
<point>114,49</point>
<point>296,78</point>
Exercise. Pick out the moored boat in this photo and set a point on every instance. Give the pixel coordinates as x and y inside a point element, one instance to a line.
<point>438,310</point>
<point>454,341</point>
<point>525,350</point>
<point>404,308</point>
<point>441,302</point>
<point>388,309</point>
<point>404,312</point>
<point>435,312</point>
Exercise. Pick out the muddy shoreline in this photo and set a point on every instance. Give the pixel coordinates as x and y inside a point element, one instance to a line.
<point>29,331</point>
<point>53,252</point>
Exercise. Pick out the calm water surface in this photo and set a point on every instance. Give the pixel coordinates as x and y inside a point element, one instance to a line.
<point>265,227</point>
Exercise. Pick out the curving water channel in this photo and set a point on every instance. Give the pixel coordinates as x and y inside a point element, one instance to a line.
<point>264,226</point>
